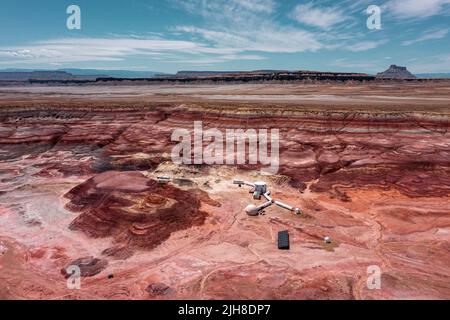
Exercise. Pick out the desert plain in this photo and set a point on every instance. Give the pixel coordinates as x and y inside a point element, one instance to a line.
<point>368,164</point>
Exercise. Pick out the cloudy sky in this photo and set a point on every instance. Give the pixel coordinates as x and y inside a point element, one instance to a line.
<point>171,35</point>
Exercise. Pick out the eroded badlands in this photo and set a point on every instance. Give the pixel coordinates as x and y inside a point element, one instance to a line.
<point>369,166</point>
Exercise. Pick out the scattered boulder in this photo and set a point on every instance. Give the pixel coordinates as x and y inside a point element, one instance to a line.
<point>158,289</point>
<point>3,249</point>
<point>89,266</point>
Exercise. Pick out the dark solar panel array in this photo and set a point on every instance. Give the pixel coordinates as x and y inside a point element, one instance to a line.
<point>283,240</point>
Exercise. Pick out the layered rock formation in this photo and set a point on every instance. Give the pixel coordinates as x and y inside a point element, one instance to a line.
<point>134,210</point>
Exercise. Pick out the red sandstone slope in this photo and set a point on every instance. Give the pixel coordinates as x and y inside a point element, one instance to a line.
<point>135,211</point>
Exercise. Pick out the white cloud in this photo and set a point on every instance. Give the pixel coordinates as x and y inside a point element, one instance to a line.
<point>266,6</point>
<point>246,25</point>
<point>71,50</point>
<point>67,50</point>
<point>317,16</point>
<point>31,53</point>
<point>238,11</point>
<point>428,35</point>
<point>432,64</point>
<point>265,39</point>
<point>237,25</point>
<point>409,9</point>
<point>365,45</point>
<point>218,59</point>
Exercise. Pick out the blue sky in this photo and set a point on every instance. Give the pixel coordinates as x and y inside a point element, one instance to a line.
<point>172,35</point>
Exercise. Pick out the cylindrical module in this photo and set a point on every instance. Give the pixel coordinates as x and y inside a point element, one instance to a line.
<point>285,206</point>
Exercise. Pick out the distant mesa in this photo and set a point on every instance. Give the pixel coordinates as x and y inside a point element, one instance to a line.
<point>396,72</point>
<point>79,76</point>
<point>24,75</point>
<point>193,74</point>
<point>38,75</point>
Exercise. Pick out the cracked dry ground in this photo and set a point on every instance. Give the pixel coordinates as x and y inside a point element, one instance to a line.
<point>77,187</point>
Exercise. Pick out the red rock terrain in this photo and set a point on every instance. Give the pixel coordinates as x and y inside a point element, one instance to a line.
<point>135,211</point>
<point>370,168</point>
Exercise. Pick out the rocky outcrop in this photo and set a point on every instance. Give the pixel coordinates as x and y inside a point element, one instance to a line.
<point>158,289</point>
<point>396,72</point>
<point>88,266</point>
<point>135,211</point>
